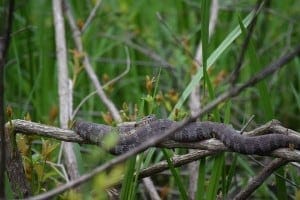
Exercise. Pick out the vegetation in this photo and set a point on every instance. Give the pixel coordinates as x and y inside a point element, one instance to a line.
<point>162,40</point>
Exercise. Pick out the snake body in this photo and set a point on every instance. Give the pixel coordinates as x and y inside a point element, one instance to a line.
<point>131,136</point>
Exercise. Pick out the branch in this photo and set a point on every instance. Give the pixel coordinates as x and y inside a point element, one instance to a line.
<point>64,89</point>
<point>234,91</point>
<point>177,162</point>
<point>260,178</point>
<point>88,67</point>
<point>128,61</point>
<point>91,16</point>
<point>33,128</point>
<point>144,50</point>
<point>236,71</point>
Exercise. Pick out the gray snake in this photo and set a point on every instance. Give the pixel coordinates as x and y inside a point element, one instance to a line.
<point>131,136</point>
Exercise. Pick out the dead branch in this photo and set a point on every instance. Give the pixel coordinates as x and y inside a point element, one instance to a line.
<point>64,89</point>
<point>88,66</point>
<point>33,128</point>
<point>260,178</point>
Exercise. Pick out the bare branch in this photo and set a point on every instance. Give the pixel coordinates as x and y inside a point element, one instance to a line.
<point>91,16</point>
<point>107,84</point>
<point>89,69</point>
<point>260,178</point>
<point>33,128</point>
<point>151,188</point>
<point>64,86</point>
<point>236,71</point>
<point>234,91</point>
<point>177,161</point>
<point>144,50</point>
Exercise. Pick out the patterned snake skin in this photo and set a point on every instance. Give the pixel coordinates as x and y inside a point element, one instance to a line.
<point>132,135</point>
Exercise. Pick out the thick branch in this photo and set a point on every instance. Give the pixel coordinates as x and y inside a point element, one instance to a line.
<point>26,127</point>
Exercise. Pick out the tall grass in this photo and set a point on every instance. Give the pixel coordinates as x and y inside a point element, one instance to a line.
<point>31,81</point>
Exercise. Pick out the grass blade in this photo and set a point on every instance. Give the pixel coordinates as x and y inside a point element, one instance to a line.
<point>175,174</point>
<point>211,60</point>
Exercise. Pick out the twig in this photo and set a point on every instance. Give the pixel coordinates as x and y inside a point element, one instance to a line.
<point>65,92</point>
<point>151,188</point>
<point>106,84</point>
<point>275,173</point>
<point>142,63</point>
<point>234,91</point>
<point>144,50</point>
<point>91,16</point>
<point>88,67</point>
<point>247,124</point>
<point>236,71</point>
<point>260,178</point>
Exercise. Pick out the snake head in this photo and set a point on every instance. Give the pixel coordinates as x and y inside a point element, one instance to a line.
<point>146,120</point>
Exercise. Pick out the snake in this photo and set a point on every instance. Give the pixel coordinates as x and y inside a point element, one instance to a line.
<point>130,135</point>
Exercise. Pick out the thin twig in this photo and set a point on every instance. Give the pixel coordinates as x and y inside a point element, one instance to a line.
<point>88,67</point>
<point>234,91</point>
<point>91,16</point>
<point>275,173</point>
<point>128,61</point>
<point>256,181</point>
<point>151,188</point>
<point>178,43</point>
<point>142,49</point>
<point>247,124</point>
<point>142,63</point>
<point>236,71</point>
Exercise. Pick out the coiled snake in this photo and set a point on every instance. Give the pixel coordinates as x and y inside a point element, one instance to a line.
<point>131,135</point>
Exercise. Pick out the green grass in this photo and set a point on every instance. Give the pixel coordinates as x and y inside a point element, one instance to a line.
<point>31,80</point>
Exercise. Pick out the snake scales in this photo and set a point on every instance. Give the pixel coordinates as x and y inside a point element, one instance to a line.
<point>131,135</point>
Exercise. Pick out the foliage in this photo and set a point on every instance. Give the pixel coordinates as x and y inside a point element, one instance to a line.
<point>151,86</point>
